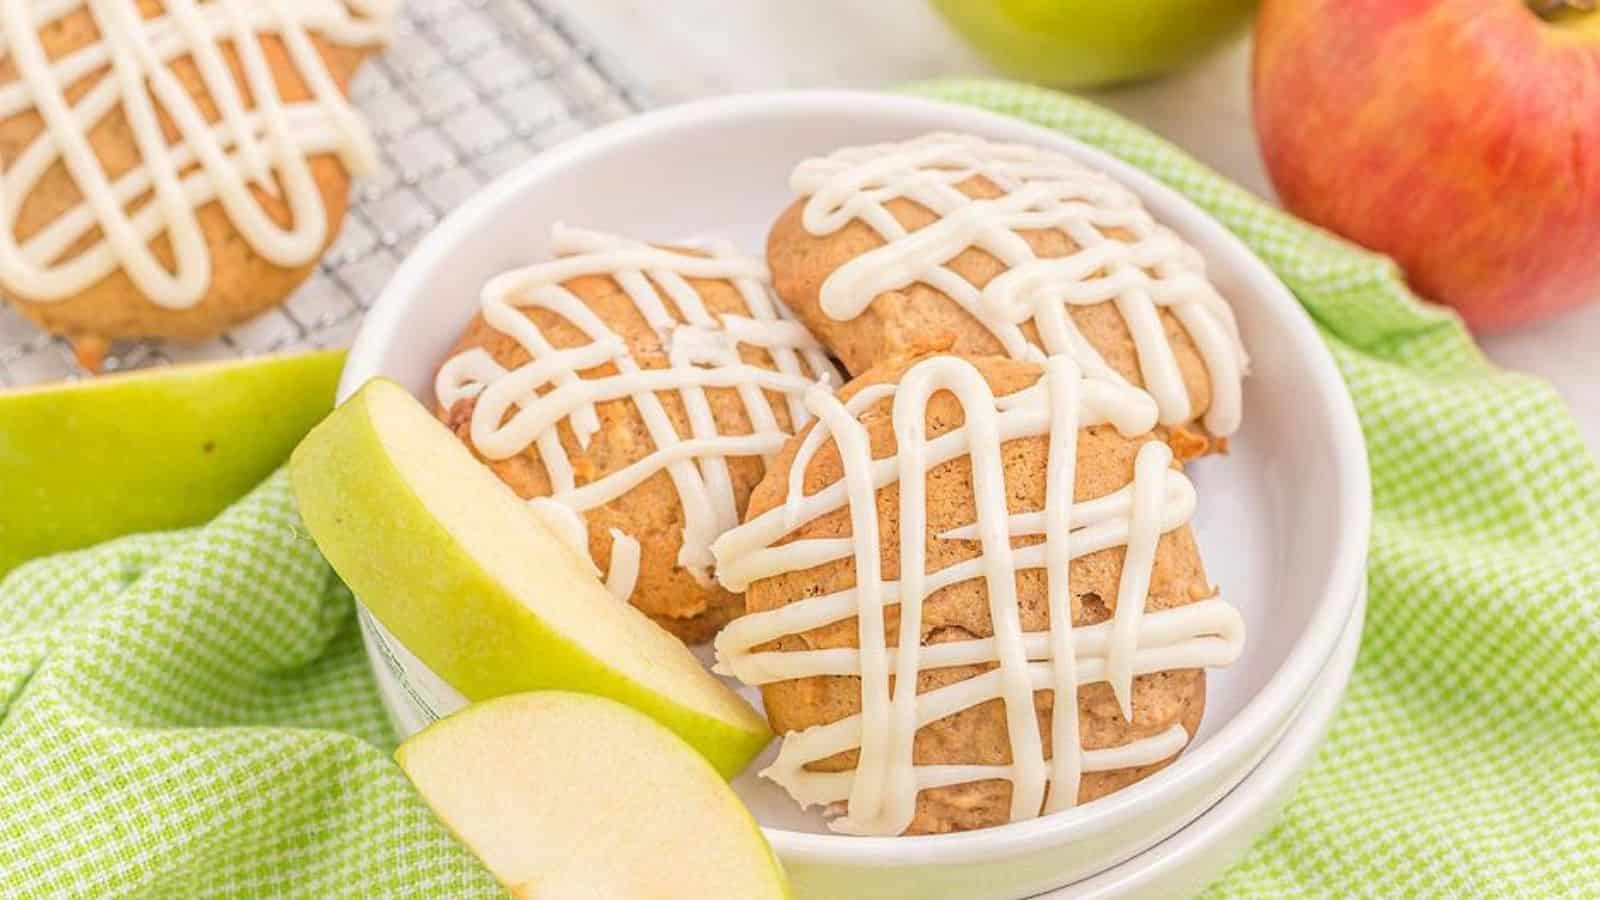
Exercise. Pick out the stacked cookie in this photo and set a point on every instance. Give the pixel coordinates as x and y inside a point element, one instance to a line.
<point>634,393</point>
<point>173,169</point>
<point>990,513</point>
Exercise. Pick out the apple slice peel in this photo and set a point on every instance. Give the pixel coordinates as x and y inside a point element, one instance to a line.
<point>460,570</point>
<point>565,795</point>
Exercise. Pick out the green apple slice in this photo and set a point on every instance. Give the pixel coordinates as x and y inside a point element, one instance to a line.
<point>161,448</point>
<point>568,795</point>
<point>462,572</point>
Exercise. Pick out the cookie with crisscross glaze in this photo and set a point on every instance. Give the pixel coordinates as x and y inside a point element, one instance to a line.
<point>174,168</point>
<point>634,394</point>
<point>951,547</point>
<point>1004,249</point>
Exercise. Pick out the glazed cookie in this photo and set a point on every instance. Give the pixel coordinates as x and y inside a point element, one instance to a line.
<point>1008,250</point>
<point>179,166</point>
<point>634,393</point>
<point>969,509</point>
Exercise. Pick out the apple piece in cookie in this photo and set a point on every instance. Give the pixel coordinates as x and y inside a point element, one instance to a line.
<point>567,795</point>
<point>464,574</point>
<point>1004,249</point>
<point>633,394</point>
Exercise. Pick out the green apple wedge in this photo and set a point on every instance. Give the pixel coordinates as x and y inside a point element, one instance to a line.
<point>567,795</point>
<point>462,572</point>
<point>86,461</point>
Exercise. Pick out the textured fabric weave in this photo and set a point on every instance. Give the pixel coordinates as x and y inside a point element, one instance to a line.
<point>190,714</point>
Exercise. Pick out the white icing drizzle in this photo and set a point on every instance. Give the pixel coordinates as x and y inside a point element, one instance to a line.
<point>1150,270</point>
<point>266,142</point>
<point>880,793</point>
<point>622,575</point>
<point>520,408</point>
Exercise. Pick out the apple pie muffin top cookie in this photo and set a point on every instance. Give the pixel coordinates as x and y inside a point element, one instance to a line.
<point>173,168</point>
<point>953,544</point>
<point>635,393</point>
<point>1010,250</point>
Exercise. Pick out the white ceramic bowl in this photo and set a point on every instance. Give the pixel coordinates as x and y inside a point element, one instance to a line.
<point>1283,518</point>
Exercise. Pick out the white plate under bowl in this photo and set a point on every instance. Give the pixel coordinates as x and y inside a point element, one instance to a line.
<point>1282,522</point>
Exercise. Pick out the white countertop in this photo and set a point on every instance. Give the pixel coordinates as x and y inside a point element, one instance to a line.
<point>693,48</point>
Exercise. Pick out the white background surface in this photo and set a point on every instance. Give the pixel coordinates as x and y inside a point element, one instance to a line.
<point>692,48</point>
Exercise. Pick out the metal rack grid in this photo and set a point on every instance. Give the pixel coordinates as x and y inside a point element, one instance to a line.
<point>468,89</point>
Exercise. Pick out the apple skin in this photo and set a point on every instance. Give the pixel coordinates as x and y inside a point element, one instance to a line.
<point>1460,137</point>
<point>1088,43</point>
<point>87,461</point>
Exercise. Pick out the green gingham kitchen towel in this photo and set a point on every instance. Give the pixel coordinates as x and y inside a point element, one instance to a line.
<point>190,714</point>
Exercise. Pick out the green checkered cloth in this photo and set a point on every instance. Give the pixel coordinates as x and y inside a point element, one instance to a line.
<point>190,714</point>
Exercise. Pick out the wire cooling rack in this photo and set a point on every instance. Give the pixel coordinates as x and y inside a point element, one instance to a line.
<point>468,89</point>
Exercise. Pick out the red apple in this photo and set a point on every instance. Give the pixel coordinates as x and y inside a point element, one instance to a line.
<point>1461,137</point>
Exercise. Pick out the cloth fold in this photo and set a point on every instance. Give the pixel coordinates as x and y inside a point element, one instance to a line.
<point>190,714</point>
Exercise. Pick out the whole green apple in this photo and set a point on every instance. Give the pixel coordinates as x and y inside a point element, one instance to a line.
<point>1461,137</point>
<point>89,460</point>
<point>1086,43</point>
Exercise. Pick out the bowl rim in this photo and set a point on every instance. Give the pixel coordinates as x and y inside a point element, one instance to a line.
<point>1275,702</point>
<point>1236,814</point>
